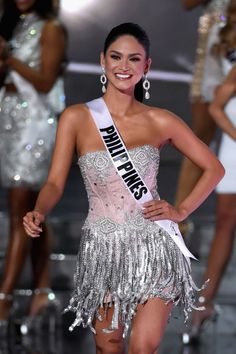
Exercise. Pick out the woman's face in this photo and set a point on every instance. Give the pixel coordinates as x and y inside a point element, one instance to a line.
<point>25,6</point>
<point>125,62</point>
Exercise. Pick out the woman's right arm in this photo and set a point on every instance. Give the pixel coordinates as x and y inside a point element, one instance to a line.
<point>53,189</point>
<point>190,4</point>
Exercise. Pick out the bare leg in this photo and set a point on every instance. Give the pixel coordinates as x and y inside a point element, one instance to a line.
<point>40,253</point>
<point>221,249</point>
<point>108,343</point>
<point>20,201</point>
<point>204,127</point>
<point>148,327</point>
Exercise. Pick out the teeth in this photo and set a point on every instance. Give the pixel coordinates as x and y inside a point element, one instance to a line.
<point>123,76</point>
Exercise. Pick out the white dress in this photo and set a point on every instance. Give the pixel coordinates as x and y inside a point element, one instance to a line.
<point>227,150</point>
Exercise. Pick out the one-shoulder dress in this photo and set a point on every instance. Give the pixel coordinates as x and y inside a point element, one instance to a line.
<point>123,258</point>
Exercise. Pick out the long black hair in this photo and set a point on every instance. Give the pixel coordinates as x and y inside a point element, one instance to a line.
<point>10,17</point>
<point>138,33</point>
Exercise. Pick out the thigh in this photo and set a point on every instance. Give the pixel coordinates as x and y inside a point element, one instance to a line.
<point>226,210</point>
<point>148,326</point>
<point>108,343</point>
<point>21,200</point>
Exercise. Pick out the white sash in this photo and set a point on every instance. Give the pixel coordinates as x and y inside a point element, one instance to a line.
<point>126,169</point>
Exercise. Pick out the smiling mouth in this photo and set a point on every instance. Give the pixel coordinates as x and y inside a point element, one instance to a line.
<point>123,76</point>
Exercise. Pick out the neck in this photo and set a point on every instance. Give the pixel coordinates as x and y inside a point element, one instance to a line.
<point>119,103</point>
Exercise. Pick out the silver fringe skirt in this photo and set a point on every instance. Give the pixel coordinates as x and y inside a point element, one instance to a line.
<point>128,268</point>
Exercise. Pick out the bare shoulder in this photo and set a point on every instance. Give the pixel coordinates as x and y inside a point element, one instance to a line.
<point>163,118</point>
<point>165,124</point>
<point>53,27</point>
<point>75,114</point>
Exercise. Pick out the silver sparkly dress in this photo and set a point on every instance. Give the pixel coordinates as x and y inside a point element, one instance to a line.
<point>28,119</point>
<point>123,258</point>
<point>207,70</point>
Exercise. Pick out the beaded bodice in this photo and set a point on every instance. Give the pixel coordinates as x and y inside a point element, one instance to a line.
<point>108,197</point>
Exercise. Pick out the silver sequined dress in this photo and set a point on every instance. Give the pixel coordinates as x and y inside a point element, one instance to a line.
<point>28,119</point>
<point>124,258</point>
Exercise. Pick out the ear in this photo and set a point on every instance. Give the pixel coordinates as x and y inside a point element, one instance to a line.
<point>147,65</point>
<point>102,60</point>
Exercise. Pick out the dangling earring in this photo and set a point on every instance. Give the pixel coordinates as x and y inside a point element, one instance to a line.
<point>146,86</point>
<point>103,80</point>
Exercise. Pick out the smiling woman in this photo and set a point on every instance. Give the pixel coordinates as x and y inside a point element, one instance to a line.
<point>125,68</point>
<point>130,270</point>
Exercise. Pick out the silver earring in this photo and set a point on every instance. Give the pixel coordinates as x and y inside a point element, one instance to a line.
<point>146,86</point>
<point>103,80</point>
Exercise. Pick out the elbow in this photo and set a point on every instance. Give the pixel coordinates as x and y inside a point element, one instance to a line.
<point>219,171</point>
<point>44,86</point>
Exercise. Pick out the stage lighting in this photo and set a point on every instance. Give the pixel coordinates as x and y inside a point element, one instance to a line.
<point>73,6</point>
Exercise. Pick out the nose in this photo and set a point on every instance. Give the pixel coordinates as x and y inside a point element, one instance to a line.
<point>124,65</point>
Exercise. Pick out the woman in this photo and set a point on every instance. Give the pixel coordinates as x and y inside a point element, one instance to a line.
<point>32,49</point>
<point>206,76</point>
<point>222,110</point>
<point>127,263</point>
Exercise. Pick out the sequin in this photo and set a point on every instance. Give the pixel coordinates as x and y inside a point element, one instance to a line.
<point>51,120</point>
<point>123,258</point>
<point>28,120</point>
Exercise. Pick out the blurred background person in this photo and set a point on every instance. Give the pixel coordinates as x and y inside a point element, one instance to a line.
<point>222,109</point>
<point>206,76</point>
<point>32,51</point>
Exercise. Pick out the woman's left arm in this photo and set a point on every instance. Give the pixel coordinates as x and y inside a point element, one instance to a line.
<point>184,140</point>
<point>52,44</point>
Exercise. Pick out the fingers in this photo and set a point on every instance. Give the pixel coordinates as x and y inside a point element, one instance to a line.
<point>158,210</point>
<point>32,223</point>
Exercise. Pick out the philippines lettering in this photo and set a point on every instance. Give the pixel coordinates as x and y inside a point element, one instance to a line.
<point>122,162</point>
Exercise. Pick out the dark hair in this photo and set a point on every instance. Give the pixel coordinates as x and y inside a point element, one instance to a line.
<point>11,15</point>
<point>137,32</point>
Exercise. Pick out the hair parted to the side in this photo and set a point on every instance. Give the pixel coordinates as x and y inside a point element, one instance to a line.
<point>140,35</point>
<point>44,8</point>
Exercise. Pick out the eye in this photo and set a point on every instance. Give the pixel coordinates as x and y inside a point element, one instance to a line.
<point>115,56</point>
<point>135,59</point>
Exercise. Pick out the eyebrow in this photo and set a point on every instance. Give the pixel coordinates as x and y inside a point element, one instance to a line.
<point>130,55</point>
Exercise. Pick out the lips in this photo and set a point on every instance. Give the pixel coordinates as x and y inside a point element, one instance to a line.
<point>123,76</point>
